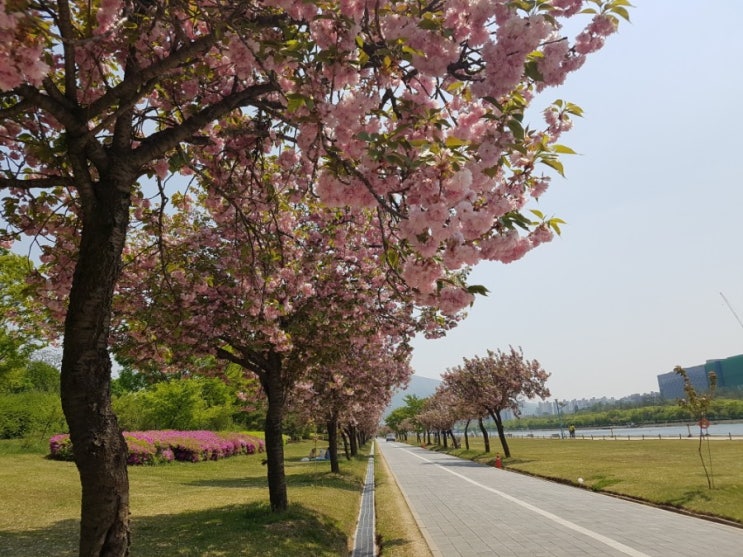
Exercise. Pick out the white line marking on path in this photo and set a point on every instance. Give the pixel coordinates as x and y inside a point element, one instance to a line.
<point>627,550</point>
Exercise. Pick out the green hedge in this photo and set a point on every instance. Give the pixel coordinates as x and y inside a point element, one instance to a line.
<point>30,413</point>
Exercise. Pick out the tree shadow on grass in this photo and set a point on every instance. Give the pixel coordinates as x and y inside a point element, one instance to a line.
<point>690,496</point>
<point>236,530</point>
<point>57,540</point>
<point>398,544</point>
<point>324,478</point>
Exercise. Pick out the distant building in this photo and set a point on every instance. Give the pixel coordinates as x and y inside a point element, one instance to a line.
<point>729,373</point>
<point>671,384</point>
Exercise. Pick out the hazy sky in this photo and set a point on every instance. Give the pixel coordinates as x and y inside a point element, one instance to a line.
<point>653,204</point>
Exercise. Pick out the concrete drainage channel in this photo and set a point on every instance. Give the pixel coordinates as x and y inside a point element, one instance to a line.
<point>364,542</point>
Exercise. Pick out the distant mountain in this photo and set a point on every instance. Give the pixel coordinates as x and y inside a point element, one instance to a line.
<point>421,387</point>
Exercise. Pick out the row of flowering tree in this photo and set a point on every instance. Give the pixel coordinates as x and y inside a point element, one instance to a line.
<point>413,109</point>
<point>488,385</point>
<point>482,387</point>
<point>287,290</point>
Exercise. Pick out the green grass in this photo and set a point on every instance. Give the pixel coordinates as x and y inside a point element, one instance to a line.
<point>205,509</point>
<point>397,532</point>
<point>664,472</point>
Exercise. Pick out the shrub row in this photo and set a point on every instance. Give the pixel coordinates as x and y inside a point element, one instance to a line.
<point>30,413</point>
<point>154,447</point>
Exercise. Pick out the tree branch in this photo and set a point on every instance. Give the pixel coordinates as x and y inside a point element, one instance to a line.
<point>35,183</point>
<point>161,142</point>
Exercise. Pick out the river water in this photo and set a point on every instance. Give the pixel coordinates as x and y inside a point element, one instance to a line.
<point>724,429</point>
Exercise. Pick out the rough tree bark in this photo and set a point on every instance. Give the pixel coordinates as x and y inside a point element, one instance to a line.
<point>353,440</point>
<point>332,426</point>
<point>273,385</point>
<point>99,447</point>
<point>346,449</point>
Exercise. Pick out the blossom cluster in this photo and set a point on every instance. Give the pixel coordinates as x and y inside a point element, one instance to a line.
<point>154,447</point>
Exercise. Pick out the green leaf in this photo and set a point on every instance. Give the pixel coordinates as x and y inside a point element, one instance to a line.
<point>453,142</point>
<point>537,213</point>
<point>392,257</point>
<point>573,109</point>
<point>516,129</point>
<point>563,149</point>
<point>294,102</point>
<point>532,71</point>
<point>556,164</point>
<point>622,12</point>
<point>494,102</point>
<point>418,142</point>
<point>554,224</point>
<point>478,289</point>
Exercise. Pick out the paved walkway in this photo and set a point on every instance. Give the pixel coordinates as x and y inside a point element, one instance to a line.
<point>468,509</point>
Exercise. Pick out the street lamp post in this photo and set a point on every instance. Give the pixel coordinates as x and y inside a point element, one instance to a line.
<point>559,416</point>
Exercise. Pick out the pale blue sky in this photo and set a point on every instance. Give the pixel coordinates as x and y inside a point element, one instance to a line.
<point>653,204</point>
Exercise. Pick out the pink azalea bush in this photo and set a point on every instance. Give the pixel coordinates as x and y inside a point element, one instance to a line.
<point>155,447</point>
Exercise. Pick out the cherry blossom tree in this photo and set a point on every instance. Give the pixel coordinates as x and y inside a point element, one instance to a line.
<point>262,277</point>
<point>464,405</point>
<point>354,389</point>
<point>494,382</point>
<point>414,108</point>
<point>440,414</point>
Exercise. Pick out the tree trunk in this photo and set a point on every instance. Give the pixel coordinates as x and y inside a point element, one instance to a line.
<point>99,447</point>
<point>273,385</point>
<point>344,436</point>
<point>454,441</point>
<point>495,414</point>
<point>332,426</point>
<point>485,436</point>
<point>353,440</point>
<point>466,437</point>
<point>446,444</point>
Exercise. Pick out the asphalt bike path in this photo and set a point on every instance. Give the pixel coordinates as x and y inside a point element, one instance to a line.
<point>468,509</point>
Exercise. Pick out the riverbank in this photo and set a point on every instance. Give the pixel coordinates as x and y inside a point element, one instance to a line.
<point>721,429</point>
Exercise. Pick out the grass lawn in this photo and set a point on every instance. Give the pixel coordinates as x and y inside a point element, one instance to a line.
<point>398,534</point>
<point>205,509</point>
<point>220,508</point>
<point>667,472</point>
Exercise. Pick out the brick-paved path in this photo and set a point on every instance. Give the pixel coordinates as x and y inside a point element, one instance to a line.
<point>468,509</point>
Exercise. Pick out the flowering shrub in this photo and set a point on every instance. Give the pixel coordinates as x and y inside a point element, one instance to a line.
<point>60,447</point>
<point>155,447</point>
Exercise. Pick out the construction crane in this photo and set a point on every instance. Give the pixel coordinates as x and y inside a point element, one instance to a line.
<point>732,310</point>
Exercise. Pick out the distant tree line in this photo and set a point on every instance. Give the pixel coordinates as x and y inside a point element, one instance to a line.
<point>720,409</point>
<point>414,417</point>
